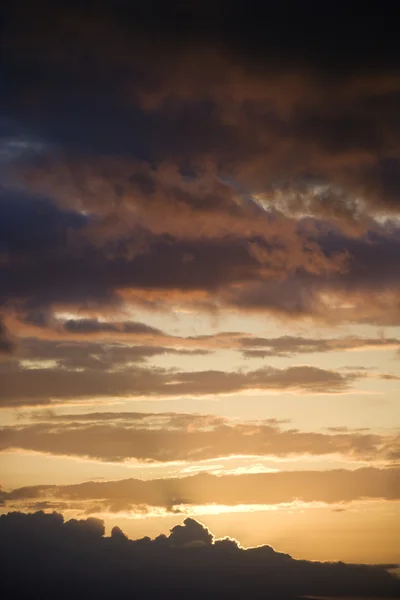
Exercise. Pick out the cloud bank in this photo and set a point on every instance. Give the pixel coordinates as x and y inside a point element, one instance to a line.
<point>75,558</point>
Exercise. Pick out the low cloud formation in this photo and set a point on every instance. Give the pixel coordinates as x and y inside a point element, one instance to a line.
<point>165,437</point>
<point>172,494</point>
<point>75,558</point>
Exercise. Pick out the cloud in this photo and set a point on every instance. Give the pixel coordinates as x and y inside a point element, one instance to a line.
<point>36,386</point>
<point>92,355</point>
<point>285,266</point>
<point>88,326</point>
<point>190,533</point>
<point>81,261</point>
<point>330,486</point>
<point>7,344</point>
<point>366,293</point>
<point>168,437</point>
<point>75,556</point>
<point>197,158</point>
<point>43,333</point>
<point>265,180</point>
<point>258,347</point>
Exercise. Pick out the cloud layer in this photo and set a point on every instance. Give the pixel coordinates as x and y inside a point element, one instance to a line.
<point>166,437</point>
<point>175,494</point>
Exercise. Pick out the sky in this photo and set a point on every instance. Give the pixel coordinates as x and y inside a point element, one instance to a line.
<point>199,271</point>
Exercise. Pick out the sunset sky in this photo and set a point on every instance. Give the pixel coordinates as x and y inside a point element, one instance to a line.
<point>200,271</point>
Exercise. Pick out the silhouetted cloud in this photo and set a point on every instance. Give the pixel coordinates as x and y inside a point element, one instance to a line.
<point>75,558</point>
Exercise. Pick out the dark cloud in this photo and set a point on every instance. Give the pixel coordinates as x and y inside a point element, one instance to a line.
<point>7,344</point>
<point>60,270</point>
<point>75,558</point>
<point>242,87</point>
<point>39,385</point>
<point>365,292</point>
<point>290,345</point>
<point>73,344</point>
<point>295,269</point>
<point>31,225</point>
<point>73,355</point>
<point>82,262</point>
<point>173,436</point>
<point>87,326</point>
<point>190,533</point>
<point>194,179</point>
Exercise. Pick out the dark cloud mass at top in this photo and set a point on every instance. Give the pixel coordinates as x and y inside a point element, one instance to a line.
<point>241,157</point>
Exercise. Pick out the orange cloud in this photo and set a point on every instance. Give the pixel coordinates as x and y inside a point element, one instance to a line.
<point>164,437</point>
